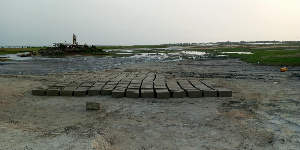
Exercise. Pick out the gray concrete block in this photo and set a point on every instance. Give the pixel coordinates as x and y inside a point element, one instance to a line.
<point>210,93</point>
<point>112,83</point>
<point>147,93</point>
<point>159,86</point>
<point>224,92</point>
<point>52,92</point>
<point>121,85</point>
<point>94,91</point>
<point>81,91</point>
<point>132,93</point>
<point>118,93</point>
<point>136,81</point>
<point>92,106</point>
<point>107,89</point>
<point>134,86</point>
<point>87,84</point>
<point>194,93</point>
<point>162,94</point>
<point>147,86</point>
<point>38,92</point>
<point>66,92</point>
<point>179,93</point>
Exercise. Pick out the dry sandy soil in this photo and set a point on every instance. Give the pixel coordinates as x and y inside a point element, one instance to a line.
<point>262,114</point>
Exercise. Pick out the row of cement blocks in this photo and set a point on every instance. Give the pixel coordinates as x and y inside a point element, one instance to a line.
<point>147,86</point>
<point>208,91</point>
<point>77,86</point>
<point>160,88</point>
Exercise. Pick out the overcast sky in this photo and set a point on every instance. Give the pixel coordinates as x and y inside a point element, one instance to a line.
<point>129,22</point>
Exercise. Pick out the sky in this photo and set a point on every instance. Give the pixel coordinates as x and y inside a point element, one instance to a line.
<point>137,22</point>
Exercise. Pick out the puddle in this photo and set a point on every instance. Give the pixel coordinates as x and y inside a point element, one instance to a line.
<point>120,50</point>
<point>124,53</point>
<point>15,56</point>
<point>237,53</point>
<point>222,55</point>
<point>150,55</point>
<point>194,53</point>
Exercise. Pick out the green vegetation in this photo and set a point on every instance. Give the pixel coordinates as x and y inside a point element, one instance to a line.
<point>4,59</point>
<point>131,47</point>
<point>282,56</point>
<point>16,50</point>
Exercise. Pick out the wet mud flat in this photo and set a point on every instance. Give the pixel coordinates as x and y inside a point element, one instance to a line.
<point>263,112</point>
<point>43,65</point>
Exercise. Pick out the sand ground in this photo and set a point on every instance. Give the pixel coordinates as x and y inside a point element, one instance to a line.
<point>262,114</point>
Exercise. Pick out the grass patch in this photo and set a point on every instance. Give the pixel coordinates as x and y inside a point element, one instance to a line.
<point>132,47</point>
<point>281,56</point>
<point>4,51</point>
<point>4,59</point>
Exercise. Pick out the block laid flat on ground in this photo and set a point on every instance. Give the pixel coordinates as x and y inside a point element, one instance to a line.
<point>210,93</point>
<point>162,94</point>
<point>107,89</point>
<point>38,92</point>
<point>52,92</point>
<point>195,93</point>
<point>66,92</point>
<point>87,84</point>
<point>132,93</point>
<point>81,91</point>
<point>118,93</point>
<point>92,106</point>
<point>147,93</point>
<point>94,91</point>
<point>222,92</point>
<point>178,93</point>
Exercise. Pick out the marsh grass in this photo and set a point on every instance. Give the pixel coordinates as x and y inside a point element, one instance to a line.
<point>281,56</point>
<point>132,47</point>
<point>4,51</point>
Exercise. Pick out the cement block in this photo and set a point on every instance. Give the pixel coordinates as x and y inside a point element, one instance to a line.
<point>112,83</point>
<point>224,92</point>
<point>38,92</point>
<point>66,92</point>
<point>92,106</point>
<point>210,93</point>
<point>134,86</point>
<point>179,93</point>
<point>52,92</point>
<point>87,84</point>
<point>81,91</point>
<point>162,94</point>
<point>147,93</point>
<point>121,85</point>
<point>136,81</point>
<point>94,91</point>
<point>194,93</point>
<point>159,86</point>
<point>118,93</point>
<point>132,93</point>
<point>107,90</point>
